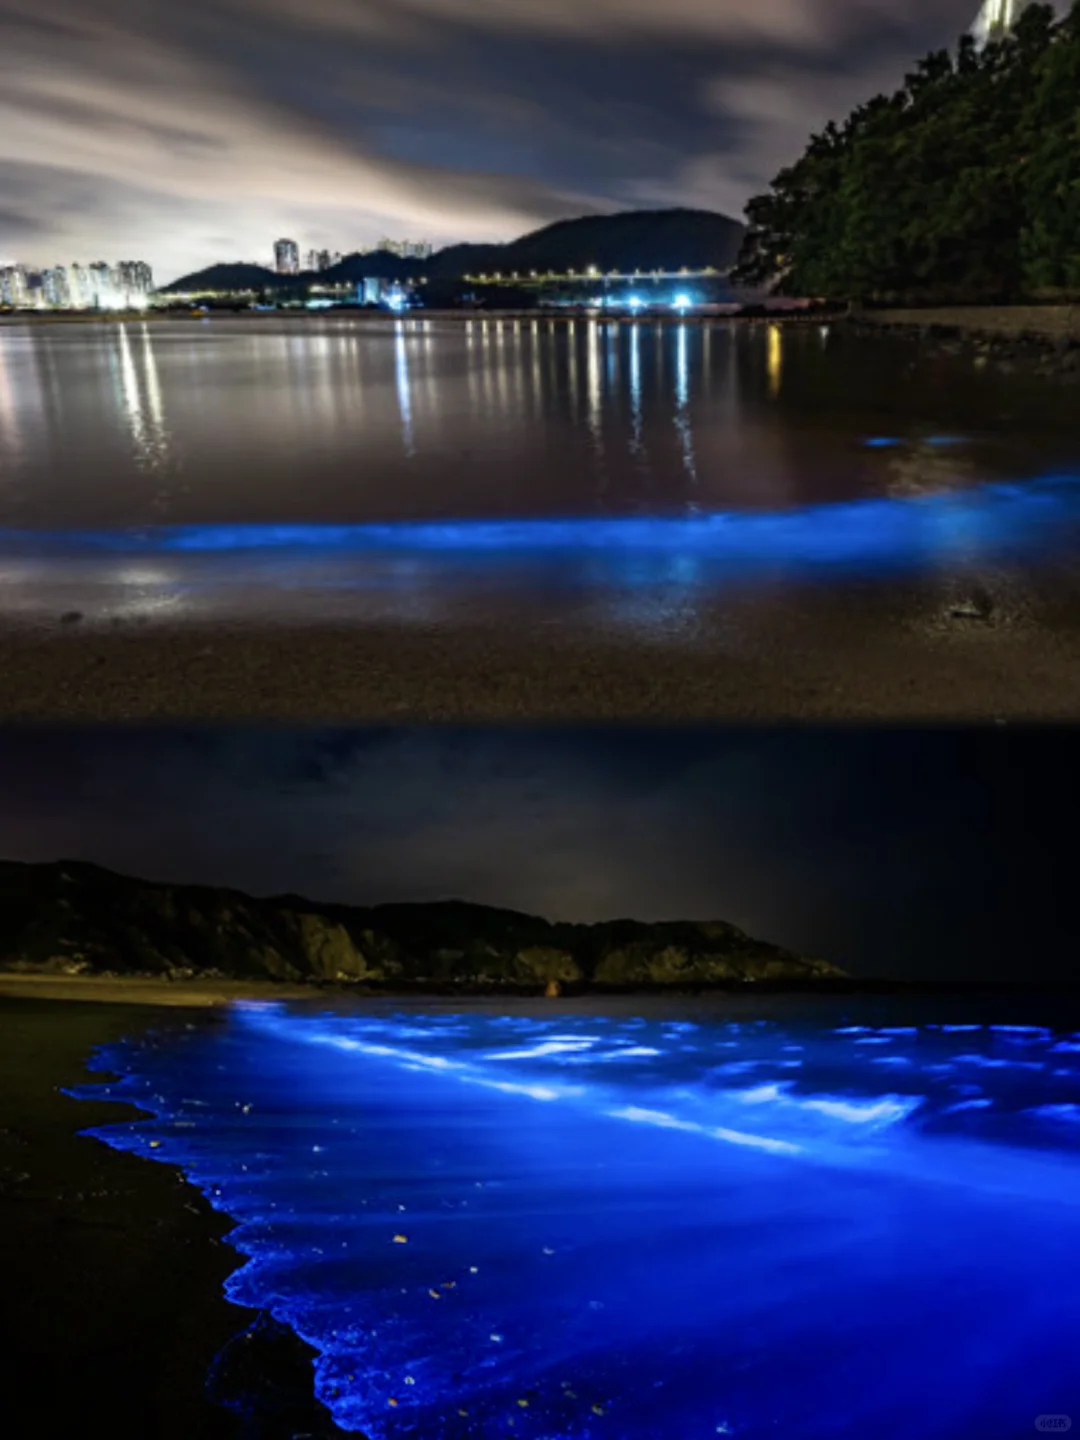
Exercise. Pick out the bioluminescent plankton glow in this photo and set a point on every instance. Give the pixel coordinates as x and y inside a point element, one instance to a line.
<point>580,1226</point>
<point>1001,518</point>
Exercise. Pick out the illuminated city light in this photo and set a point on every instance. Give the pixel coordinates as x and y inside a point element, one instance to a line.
<point>125,286</point>
<point>996,18</point>
<point>682,302</point>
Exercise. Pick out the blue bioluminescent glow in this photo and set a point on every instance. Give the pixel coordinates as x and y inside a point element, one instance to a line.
<point>569,1227</point>
<point>1001,520</point>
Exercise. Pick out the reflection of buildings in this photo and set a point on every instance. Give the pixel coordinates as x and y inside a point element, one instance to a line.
<point>775,360</point>
<point>287,257</point>
<point>139,399</point>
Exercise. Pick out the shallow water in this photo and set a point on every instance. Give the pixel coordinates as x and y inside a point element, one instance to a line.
<point>292,470</point>
<point>642,1226</point>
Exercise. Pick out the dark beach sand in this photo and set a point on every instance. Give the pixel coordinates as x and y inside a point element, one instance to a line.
<point>113,1268</point>
<point>900,655</point>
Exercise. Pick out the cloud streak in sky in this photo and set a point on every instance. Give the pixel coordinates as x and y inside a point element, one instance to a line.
<point>202,131</point>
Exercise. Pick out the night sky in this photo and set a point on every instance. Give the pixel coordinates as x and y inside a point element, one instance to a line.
<point>200,131</point>
<point>948,855</point>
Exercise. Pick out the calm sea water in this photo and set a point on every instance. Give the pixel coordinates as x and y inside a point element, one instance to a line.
<point>176,467</point>
<point>826,1223</point>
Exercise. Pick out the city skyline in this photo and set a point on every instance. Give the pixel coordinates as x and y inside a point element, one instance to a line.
<point>204,132</point>
<point>126,284</point>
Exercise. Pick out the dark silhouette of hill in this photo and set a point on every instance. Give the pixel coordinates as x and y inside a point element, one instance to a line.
<point>631,240</point>
<point>634,240</point>
<point>223,278</point>
<point>75,918</point>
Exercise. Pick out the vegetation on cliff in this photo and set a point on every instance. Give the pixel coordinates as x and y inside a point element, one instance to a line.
<point>73,918</point>
<point>963,186</point>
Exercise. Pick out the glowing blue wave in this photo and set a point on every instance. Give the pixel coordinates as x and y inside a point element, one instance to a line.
<point>561,1228</point>
<point>991,519</point>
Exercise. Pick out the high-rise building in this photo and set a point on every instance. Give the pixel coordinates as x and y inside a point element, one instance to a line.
<point>287,257</point>
<point>407,249</point>
<point>133,281</point>
<point>318,260</point>
<point>14,285</point>
<point>102,289</point>
<point>82,295</point>
<point>55,288</point>
<point>127,285</point>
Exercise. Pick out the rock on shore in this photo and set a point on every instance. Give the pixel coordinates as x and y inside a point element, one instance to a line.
<point>73,918</point>
<point>1037,339</point>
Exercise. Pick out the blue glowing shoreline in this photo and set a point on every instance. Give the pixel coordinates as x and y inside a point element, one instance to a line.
<point>995,516</point>
<point>543,1228</point>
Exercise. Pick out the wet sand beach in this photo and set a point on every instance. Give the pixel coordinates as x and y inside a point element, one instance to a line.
<point>503,519</point>
<point>113,1269</point>
<point>826,658</point>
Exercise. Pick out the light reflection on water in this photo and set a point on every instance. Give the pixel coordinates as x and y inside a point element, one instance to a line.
<point>648,466</point>
<point>643,1228</point>
<point>324,421</point>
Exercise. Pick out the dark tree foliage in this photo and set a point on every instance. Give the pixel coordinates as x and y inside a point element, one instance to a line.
<point>963,186</point>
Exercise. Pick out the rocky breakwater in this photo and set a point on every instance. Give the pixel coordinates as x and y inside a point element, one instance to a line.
<point>72,918</point>
<point>1010,339</point>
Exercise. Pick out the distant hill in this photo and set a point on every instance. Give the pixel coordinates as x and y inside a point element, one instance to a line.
<point>373,265</point>
<point>631,240</point>
<point>223,278</point>
<point>75,918</point>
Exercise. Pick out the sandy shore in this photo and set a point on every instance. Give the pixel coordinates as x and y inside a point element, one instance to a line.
<point>113,1307</point>
<point>887,654</point>
<point>118,990</point>
<point>113,1268</point>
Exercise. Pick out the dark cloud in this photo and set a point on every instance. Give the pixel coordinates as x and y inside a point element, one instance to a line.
<point>18,224</point>
<point>946,854</point>
<point>338,121</point>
